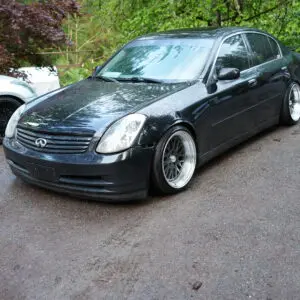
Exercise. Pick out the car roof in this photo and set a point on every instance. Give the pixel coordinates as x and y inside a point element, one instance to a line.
<point>204,32</point>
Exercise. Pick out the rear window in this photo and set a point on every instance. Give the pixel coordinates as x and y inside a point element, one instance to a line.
<point>262,48</point>
<point>285,50</point>
<point>275,49</point>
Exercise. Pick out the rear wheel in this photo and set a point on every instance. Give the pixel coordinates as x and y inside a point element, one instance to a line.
<point>290,114</point>
<point>8,105</point>
<point>174,161</point>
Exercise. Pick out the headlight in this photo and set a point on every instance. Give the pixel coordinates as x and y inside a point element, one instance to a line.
<point>122,134</point>
<point>13,121</point>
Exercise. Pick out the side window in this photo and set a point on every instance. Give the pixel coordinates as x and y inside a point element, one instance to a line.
<point>233,54</point>
<point>275,49</point>
<point>285,50</point>
<point>261,47</point>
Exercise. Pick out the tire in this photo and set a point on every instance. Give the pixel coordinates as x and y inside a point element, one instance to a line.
<point>290,111</point>
<point>8,105</point>
<point>174,161</point>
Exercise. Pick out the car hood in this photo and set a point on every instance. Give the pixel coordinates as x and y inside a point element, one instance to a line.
<point>92,105</point>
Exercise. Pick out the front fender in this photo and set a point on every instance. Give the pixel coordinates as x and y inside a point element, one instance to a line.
<point>18,91</point>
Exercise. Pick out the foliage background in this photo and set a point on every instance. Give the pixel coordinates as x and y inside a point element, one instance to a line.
<point>27,26</point>
<point>105,25</point>
<point>108,24</point>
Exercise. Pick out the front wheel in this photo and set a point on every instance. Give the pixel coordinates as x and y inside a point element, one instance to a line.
<point>174,161</point>
<point>290,113</point>
<point>8,105</point>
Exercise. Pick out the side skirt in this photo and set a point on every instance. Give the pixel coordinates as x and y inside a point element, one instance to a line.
<point>204,158</point>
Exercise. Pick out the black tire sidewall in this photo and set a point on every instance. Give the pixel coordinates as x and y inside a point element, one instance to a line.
<point>8,99</point>
<point>158,179</point>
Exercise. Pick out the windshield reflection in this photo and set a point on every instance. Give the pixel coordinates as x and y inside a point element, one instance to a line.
<point>171,59</point>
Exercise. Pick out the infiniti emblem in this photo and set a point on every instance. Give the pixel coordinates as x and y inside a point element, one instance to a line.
<point>41,143</point>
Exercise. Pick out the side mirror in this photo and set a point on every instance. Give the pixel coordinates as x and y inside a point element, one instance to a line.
<point>96,70</point>
<point>228,74</point>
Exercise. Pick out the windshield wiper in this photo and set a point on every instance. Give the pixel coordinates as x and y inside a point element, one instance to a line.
<point>141,79</point>
<point>106,78</point>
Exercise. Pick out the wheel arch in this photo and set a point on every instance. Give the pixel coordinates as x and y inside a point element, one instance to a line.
<point>188,125</point>
<point>295,80</point>
<point>21,101</point>
<point>159,133</point>
<point>184,123</point>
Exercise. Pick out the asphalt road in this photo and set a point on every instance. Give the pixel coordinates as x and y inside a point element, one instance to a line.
<point>235,234</point>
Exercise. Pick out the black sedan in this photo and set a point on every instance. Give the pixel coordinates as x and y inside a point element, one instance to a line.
<point>161,106</point>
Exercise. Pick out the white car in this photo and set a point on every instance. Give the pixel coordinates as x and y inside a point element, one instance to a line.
<point>43,80</point>
<point>13,93</point>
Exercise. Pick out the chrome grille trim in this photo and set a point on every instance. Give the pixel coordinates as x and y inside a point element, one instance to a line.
<point>56,143</point>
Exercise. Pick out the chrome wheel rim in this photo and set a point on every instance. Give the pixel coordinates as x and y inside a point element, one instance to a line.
<point>179,159</point>
<point>294,102</point>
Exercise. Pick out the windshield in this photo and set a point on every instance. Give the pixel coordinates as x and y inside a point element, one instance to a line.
<point>169,59</point>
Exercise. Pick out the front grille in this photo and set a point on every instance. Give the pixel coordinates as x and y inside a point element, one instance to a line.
<point>55,143</point>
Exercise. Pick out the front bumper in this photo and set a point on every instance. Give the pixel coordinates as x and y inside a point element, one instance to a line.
<point>122,176</point>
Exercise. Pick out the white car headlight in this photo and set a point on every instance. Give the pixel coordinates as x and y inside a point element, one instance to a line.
<point>122,134</point>
<point>13,121</point>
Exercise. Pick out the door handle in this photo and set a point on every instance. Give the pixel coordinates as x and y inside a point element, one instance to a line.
<point>252,82</point>
<point>284,68</point>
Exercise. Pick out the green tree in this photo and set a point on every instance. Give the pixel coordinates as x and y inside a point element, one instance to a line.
<point>26,27</point>
<point>108,24</point>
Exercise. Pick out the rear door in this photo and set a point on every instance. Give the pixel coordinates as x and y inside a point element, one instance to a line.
<point>271,73</point>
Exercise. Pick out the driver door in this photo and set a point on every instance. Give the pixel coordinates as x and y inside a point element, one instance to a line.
<point>230,104</point>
